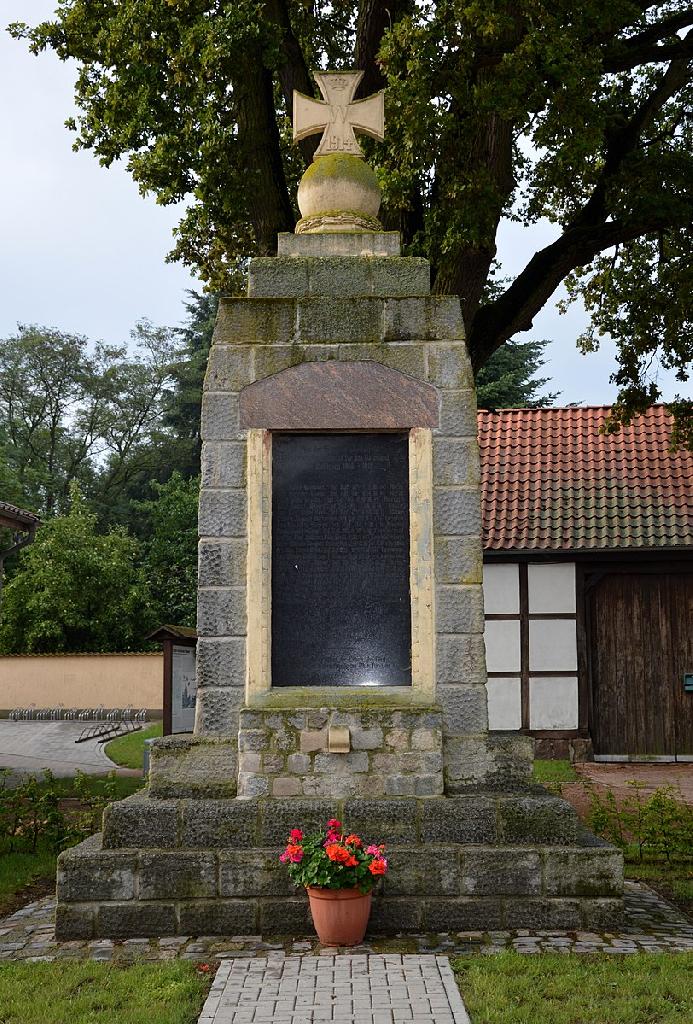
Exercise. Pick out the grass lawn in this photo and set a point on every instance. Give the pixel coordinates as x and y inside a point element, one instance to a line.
<point>128,751</point>
<point>512,988</point>
<point>89,993</point>
<point>17,872</point>
<point>554,771</point>
<point>28,876</point>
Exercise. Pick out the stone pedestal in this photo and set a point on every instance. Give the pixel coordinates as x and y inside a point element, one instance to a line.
<point>340,333</point>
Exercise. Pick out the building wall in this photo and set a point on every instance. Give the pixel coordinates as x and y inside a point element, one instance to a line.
<point>531,645</point>
<point>82,680</point>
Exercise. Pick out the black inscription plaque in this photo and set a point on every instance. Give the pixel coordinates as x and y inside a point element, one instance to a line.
<point>340,560</point>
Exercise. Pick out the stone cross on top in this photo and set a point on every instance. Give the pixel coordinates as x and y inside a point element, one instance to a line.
<point>339,115</point>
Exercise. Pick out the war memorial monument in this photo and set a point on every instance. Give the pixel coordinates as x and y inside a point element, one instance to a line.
<point>340,667</point>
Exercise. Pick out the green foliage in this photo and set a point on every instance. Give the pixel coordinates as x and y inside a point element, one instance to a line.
<point>75,589</point>
<point>72,411</point>
<point>507,380</point>
<point>333,859</point>
<point>31,817</point>
<point>660,825</point>
<point>495,110</point>
<point>184,403</point>
<point>170,559</point>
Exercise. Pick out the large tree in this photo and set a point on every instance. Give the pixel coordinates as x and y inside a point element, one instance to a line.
<point>75,589</point>
<point>508,381</point>
<point>72,410</point>
<point>495,109</point>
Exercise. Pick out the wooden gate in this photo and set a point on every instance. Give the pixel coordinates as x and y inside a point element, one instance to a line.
<point>640,640</point>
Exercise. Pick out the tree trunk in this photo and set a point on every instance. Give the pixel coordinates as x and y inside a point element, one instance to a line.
<point>269,207</point>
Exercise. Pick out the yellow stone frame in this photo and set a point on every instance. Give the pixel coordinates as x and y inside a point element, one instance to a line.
<point>258,690</point>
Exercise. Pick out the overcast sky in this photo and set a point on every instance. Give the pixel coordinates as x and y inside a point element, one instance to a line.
<point>82,251</point>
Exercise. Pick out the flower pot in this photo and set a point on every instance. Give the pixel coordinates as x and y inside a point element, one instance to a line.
<point>340,916</point>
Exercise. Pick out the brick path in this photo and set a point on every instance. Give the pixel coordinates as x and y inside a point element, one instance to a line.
<point>385,989</point>
<point>651,924</point>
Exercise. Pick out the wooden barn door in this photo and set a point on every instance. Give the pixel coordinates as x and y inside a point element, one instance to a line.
<point>641,643</point>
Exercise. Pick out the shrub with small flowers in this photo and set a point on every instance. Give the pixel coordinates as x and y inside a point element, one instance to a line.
<point>333,859</point>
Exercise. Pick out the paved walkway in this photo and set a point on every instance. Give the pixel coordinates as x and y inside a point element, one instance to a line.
<point>651,925</point>
<point>29,747</point>
<point>385,989</point>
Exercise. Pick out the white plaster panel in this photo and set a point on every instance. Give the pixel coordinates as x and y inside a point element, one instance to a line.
<point>553,702</point>
<point>502,637</point>
<point>504,703</point>
<point>551,588</point>
<point>501,589</point>
<point>552,645</point>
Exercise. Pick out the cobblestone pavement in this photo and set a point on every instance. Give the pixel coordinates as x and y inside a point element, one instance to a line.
<point>375,989</point>
<point>651,924</point>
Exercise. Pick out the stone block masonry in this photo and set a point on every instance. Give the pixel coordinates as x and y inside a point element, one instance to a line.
<point>393,753</point>
<point>457,863</point>
<point>473,845</point>
<point>350,298</point>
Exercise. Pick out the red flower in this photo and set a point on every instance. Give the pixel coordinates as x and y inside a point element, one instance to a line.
<point>296,835</point>
<point>353,840</point>
<point>340,855</point>
<point>378,867</point>
<point>295,853</point>
<point>203,968</point>
<point>334,825</point>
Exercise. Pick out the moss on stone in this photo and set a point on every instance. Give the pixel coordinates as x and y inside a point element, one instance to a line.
<point>295,697</point>
<point>341,165</point>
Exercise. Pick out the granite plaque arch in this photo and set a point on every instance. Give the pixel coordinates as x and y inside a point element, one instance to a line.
<point>359,395</point>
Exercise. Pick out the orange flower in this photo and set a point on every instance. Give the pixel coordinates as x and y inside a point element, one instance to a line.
<point>378,867</point>
<point>340,854</point>
<point>353,840</point>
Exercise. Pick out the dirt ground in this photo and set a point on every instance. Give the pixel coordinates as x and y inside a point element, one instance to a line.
<point>616,777</point>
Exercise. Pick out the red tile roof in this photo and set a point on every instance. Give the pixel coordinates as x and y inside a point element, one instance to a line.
<point>552,482</point>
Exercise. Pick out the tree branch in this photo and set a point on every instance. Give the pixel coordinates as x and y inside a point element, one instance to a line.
<point>621,141</point>
<point>587,234</point>
<point>658,30</point>
<point>269,206</point>
<point>293,71</point>
<point>373,20</point>
<point>650,53</point>
<point>516,308</point>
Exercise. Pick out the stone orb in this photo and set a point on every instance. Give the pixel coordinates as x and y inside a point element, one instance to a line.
<point>338,192</point>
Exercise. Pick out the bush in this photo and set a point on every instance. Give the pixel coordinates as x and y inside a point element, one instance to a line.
<point>660,825</point>
<point>30,813</point>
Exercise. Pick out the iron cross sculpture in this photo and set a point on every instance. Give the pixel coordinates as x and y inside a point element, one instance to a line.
<point>340,114</point>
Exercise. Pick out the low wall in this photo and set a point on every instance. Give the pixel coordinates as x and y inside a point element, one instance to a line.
<point>82,680</point>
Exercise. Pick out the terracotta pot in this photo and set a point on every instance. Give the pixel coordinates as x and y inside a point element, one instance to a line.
<point>340,916</point>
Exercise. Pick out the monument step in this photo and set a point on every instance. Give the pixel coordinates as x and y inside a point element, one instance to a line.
<point>439,886</point>
<point>359,321</point>
<point>342,243</point>
<point>487,817</point>
<point>380,276</point>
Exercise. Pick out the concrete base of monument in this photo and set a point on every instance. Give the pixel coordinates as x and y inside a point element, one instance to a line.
<point>483,860</point>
